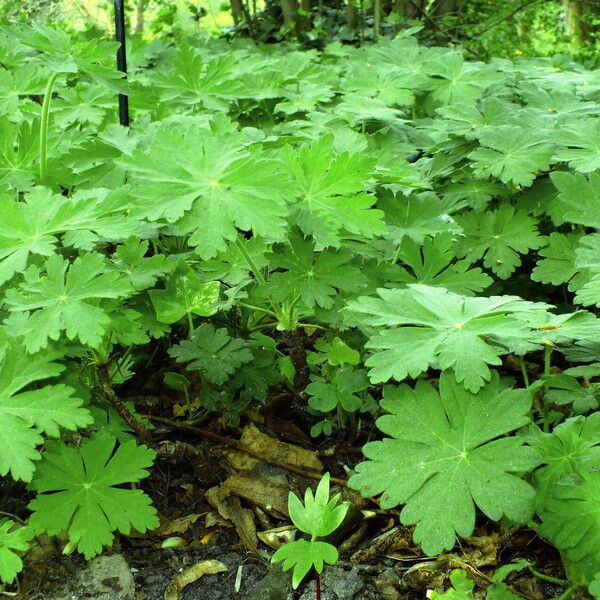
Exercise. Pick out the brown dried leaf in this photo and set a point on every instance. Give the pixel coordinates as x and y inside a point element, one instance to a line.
<point>180,525</point>
<point>270,492</point>
<point>195,572</point>
<point>278,536</point>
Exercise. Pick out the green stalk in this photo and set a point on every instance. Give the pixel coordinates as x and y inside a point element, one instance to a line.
<point>44,126</point>
<point>567,593</point>
<point>547,578</point>
<point>524,371</point>
<point>547,355</point>
<point>253,266</point>
<point>190,323</point>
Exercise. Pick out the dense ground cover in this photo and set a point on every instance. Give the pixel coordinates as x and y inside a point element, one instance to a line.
<point>389,231</point>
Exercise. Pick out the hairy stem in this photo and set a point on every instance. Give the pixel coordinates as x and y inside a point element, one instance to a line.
<point>547,355</point>
<point>109,393</point>
<point>44,127</point>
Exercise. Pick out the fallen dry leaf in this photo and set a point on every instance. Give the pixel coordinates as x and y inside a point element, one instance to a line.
<point>192,574</point>
<point>272,450</point>
<point>274,538</point>
<point>180,525</point>
<point>242,518</point>
<point>269,491</point>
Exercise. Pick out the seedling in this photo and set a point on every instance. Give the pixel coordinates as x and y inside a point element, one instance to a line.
<point>318,517</point>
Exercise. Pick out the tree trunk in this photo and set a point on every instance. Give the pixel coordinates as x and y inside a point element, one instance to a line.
<point>237,12</point>
<point>377,18</point>
<point>576,26</point>
<point>351,14</point>
<point>288,8</point>
<point>139,16</point>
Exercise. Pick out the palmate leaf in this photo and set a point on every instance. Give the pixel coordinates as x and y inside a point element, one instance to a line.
<point>25,415</point>
<point>433,264</point>
<point>582,141</point>
<point>498,237</point>
<point>303,555</point>
<point>18,153</point>
<point>421,327</point>
<point>64,54</point>
<point>579,197</point>
<point>77,492</point>
<point>213,177</point>
<point>141,271</point>
<point>212,352</point>
<point>185,294</point>
<point>558,262</point>
<point>417,217</point>
<point>567,485</point>
<point>35,225</point>
<point>66,299</point>
<point>10,562</point>
<point>448,452</point>
<point>330,191</point>
<point>315,277</point>
<point>511,154</point>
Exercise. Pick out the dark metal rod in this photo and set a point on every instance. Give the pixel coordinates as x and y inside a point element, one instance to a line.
<point>121,59</point>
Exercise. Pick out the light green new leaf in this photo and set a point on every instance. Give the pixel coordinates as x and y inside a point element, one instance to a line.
<point>25,415</point>
<point>66,299</point>
<point>462,587</point>
<point>77,492</point>
<point>303,555</point>
<point>511,154</point>
<point>185,294</point>
<point>498,237</point>
<point>432,264</point>
<point>421,327</point>
<point>212,352</point>
<point>10,562</point>
<point>341,392</point>
<point>450,451</point>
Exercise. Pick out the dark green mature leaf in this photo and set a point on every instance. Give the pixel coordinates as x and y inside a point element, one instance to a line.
<point>314,277</point>
<point>448,452</point>
<point>212,352</point>
<point>77,492</point>
<point>558,264</point>
<point>432,263</point>
<point>498,237</point>
<point>66,300</point>
<point>511,154</point>
<point>330,192</point>
<point>579,197</point>
<point>27,413</point>
<point>424,327</point>
<point>219,181</point>
<point>582,141</point>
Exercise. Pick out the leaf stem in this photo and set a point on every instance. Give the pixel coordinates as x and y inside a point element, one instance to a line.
<point>546,406</point>
<point>190,323</point>
<point>44,127</point>
<point>567,593</point>
<point>259,308</point>
<point>253,266</point>
<point>547,578</point>
<point>524,371</point>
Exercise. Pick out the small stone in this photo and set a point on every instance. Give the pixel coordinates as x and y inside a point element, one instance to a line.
<point>387,584</point>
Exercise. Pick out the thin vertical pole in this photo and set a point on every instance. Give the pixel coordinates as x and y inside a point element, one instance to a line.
<point>121,59</point>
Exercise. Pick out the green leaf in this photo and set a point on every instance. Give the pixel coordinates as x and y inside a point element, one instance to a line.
<point>339,353</point>
<point>130,260</point>
<point>558,263</point>
<point>498,237</point>
<point>579,197</point>
<point>185,294</point>
<point>315,277</point>
<point>341,392</point>
<point>10,562</point>
<point>588,260</point>
<point>208,178</point>
<point>462,587</point>
<point>511,154</point>
<point>330,191</point>
<point>304,555</point>
<point>212,352</point>
<point>319,516</point>
<point>448,452</point>
<point>27,413</point>
<point>582,141</point>
<point>432,263</point>
<point>66,299</point>
<point>421,327</point>
<point>78,493</point>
